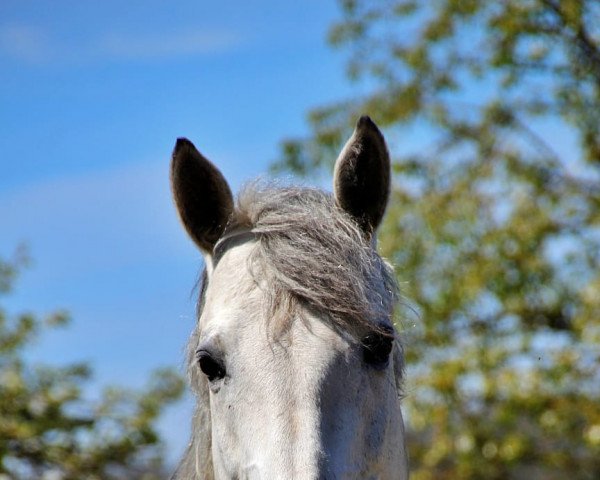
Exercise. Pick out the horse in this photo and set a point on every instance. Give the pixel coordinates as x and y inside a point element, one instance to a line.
<point>295,363</point>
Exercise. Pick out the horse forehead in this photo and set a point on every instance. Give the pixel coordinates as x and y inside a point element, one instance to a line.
<point>232,272</point>
<point>235,295</point>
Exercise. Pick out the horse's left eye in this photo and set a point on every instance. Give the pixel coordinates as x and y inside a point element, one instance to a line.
<point>212,367</point>
<point>376,348</point>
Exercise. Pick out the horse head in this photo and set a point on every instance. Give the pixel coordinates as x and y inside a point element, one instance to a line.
<point>294,361</point>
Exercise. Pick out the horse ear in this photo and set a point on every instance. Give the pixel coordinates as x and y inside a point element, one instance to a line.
<point>201,194</point>
<point>361,182</point>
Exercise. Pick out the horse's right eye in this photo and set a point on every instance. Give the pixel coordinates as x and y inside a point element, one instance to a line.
<point>212,367</point>
<point>377,347</point>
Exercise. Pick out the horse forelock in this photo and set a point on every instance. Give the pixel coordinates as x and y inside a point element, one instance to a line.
<point>309,254</point>
<point>312,254</point>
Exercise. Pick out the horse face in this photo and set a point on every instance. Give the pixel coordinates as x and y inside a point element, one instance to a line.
<point>309,404</point>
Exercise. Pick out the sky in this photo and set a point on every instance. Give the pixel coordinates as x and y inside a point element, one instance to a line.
<point>93,95</point>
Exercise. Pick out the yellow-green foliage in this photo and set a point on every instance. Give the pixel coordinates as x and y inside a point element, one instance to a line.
<point>494,226</point>
<point>49,430</point>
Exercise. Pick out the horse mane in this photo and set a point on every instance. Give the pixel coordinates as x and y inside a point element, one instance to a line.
<point>310,254</point>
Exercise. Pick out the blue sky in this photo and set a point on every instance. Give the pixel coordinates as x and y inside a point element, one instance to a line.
<point>92,97</point>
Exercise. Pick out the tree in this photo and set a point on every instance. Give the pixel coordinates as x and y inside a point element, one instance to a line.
<point>494,224</point>
<point>49,430</point>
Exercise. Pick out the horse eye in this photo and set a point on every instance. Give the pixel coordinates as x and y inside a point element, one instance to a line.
<point>210,366</point>
<point>376,348</point>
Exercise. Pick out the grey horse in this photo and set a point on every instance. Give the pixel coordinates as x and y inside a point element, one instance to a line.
<point>295,364</point>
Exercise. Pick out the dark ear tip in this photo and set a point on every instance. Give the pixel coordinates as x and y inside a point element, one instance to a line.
<point>365,127</point>
<point>183,144</point>
<point>365,123</point>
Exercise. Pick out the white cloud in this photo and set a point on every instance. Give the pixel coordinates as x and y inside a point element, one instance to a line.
<point>34,45</point>
<point>187,43</point>
<point>24,42</point>
<point>95,221</point>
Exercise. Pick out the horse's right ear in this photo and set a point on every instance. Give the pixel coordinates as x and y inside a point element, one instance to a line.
<point>201,193</point>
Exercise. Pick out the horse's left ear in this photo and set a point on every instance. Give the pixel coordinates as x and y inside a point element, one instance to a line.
<point>361,179</point>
